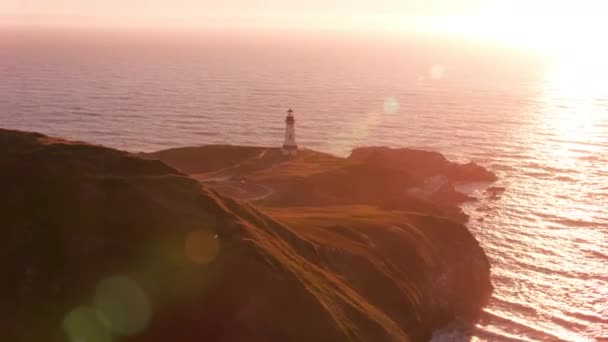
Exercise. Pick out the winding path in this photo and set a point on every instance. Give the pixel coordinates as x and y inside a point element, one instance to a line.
<point>224,181</point>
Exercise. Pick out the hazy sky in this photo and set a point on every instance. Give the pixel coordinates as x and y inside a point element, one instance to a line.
<point>189,8</point>
<point>546,23</point>
<point>291,13</point>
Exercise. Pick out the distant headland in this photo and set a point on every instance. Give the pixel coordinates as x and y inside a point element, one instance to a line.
<point>235,243</point>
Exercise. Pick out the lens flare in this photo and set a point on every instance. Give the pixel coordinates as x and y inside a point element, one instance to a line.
<point>201,246</point>
<point>122,305</point>
<point>83,325</point>
<point>437,71</point>
<point>391,106</point>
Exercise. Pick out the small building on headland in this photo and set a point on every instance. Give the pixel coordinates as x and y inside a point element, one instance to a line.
<point>290,148</point>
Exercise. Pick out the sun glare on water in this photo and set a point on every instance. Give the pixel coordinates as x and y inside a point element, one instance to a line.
<point>570,34</point>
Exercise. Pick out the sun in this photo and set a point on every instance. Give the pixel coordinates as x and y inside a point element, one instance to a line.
<point>569,34</point>
<point>561,29</point>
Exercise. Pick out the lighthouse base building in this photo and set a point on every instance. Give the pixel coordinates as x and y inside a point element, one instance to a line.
<point>290,148</point>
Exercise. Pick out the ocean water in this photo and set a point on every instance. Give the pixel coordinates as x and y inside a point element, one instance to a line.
<point>541,124</point>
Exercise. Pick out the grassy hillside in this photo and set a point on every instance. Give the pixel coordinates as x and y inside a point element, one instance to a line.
<point>401,179</point>
<point>101,245</point>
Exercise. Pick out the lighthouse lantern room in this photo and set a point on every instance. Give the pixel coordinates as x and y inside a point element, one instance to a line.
<point>290,148</point>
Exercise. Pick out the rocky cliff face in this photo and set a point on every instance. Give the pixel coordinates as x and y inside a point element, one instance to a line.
<point>100,245</point>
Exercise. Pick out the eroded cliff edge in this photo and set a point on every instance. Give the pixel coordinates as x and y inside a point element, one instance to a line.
<point>198,265</point>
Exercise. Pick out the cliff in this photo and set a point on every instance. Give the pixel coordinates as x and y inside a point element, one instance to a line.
<point>102,245</point>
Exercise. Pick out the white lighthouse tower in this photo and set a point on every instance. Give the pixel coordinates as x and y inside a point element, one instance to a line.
<point>290,148</point>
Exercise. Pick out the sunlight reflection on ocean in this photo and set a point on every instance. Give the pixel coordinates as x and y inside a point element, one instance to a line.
<point>543,128</point>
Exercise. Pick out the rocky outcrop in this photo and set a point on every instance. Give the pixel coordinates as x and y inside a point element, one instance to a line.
<point>100,245</point>
<point>422,164</point>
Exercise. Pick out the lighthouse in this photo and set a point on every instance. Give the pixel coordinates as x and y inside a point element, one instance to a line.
<point>290,148</point>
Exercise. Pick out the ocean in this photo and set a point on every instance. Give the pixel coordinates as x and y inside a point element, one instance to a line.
<point>541,124</point>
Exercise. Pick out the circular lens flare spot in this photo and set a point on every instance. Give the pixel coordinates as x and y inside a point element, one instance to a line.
<point>436,71</point>
<point>201,246</point>
<point>83,325</point>
<point>391,106</point>
<point>122,305</point>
